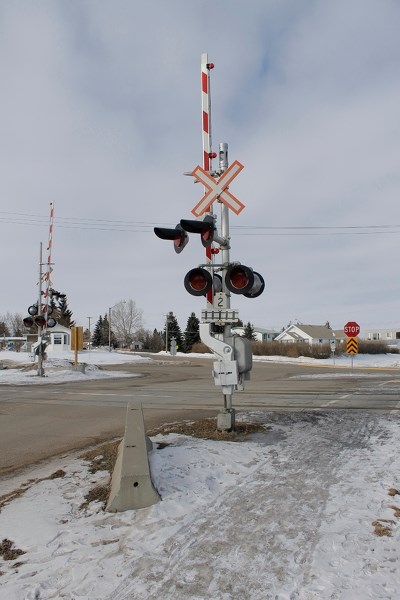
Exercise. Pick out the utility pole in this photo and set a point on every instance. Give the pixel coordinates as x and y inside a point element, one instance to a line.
<point>90,336</point>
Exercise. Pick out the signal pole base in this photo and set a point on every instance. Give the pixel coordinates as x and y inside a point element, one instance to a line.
<point>226,420</point>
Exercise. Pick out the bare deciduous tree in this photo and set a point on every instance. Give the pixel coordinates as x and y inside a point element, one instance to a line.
<point>126,320</point>
<point>14,322</point>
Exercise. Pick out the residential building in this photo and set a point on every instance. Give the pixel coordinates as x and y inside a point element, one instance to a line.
<point>390,336</point>
<point>310,334</point>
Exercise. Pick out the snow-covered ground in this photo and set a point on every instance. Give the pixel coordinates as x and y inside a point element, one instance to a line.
<point>289,514</point>
<point>60,366</point>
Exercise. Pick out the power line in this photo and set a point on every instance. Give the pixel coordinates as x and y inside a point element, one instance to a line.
<point>28,219</point>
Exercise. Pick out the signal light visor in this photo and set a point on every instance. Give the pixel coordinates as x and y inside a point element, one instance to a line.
<point>177,235</point>
<point>258,286</point>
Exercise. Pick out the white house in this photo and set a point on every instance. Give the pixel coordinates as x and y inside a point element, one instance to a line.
<point>311,334</point>
<point>261,335</point>
<point>390,336</point>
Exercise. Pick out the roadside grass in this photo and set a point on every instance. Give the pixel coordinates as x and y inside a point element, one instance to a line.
<point>102,458</point>
<point>318,351</point>
<point>8,550</point>
<point>207,429</point>
<point>384,527</point>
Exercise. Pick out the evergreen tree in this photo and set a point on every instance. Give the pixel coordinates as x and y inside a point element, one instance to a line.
<point>106,335</point>
<point>156,341</point>
<point>153,342</point>
<point>172,329</point>
<point>61,312</point>
<point>191,335</point>
<point>101,333</point>
<point>249,332</point>
<point>97,332</point>
<point>65,317</point>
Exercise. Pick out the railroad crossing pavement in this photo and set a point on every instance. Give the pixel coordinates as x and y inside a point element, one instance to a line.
<point>41,421</point>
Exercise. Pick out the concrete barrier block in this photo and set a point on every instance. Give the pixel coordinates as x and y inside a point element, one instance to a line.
<point>131,484</point>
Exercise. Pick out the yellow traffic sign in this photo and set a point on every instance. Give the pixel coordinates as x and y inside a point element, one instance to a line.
<point>352,345</point>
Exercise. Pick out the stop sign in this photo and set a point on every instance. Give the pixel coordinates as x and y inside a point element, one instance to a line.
<point>351,329</point>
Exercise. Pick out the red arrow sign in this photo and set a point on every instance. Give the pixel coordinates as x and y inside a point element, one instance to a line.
<point>351,329</point>
<point>217,188</point>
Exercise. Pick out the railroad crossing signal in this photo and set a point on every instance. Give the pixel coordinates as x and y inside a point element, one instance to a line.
<point>39,320</point>
<point>352,345</point>
<point>238,278</point>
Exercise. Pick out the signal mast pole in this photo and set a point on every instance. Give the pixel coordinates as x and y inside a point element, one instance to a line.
<point>226,420</point>
<point>208,155</point>
<point>225,256</point>
<point>44,310</point>
<point>40,369</point>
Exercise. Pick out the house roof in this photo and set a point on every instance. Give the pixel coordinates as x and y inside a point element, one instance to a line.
<point>256,329</point>
<point>316,331</point>
<point>59,329</point>
<point>298,331</point>
<point>339,334</point>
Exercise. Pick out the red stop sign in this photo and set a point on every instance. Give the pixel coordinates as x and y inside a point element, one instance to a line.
<point>351,329</point>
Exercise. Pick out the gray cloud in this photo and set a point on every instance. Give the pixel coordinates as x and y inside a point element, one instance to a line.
<point>101,114</point>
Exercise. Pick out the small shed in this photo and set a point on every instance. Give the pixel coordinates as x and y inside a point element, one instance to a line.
<point>60,338</point>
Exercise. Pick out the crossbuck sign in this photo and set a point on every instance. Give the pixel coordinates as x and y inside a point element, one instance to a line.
<point>218,189</point>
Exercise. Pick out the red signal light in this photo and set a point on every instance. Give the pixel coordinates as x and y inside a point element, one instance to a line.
<point>28,322</point>
<point>40,321</point>
<point>239,279</point>
<point>198,282</point>
<point>243,280</point>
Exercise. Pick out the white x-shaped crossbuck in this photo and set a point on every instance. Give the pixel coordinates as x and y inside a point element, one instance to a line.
<point>217,189</point>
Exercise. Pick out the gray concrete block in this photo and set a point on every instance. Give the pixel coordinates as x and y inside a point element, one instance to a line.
<point>131,484</point>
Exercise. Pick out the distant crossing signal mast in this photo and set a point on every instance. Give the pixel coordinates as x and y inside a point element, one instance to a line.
<point>217,281</point>
<point>39,313</point>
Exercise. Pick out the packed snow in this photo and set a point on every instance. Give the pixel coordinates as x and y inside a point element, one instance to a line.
<point>291,513</point>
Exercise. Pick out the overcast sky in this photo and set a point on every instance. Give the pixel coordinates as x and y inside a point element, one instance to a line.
<point>101,114</point>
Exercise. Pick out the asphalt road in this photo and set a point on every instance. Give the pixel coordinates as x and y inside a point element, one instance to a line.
<point>42,421</point>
